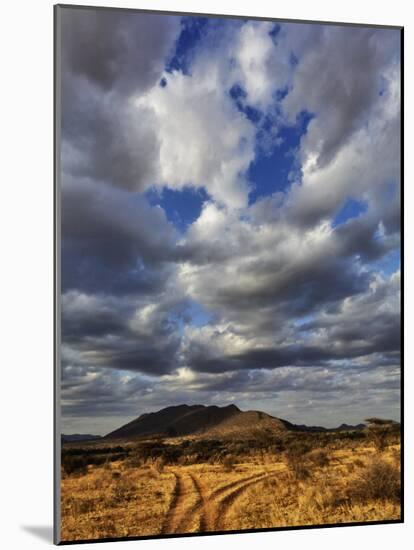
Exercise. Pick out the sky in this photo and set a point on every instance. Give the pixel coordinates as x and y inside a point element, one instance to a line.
<point>230,218</point>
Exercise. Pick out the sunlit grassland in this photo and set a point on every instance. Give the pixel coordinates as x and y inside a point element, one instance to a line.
<point>162,487</point>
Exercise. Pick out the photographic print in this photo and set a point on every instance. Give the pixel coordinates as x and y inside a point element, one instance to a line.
<point>228,250</point>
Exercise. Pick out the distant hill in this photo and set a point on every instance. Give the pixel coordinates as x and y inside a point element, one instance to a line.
<point>68,438</point>
<point>348,427</point>
<point>210,422</point>
<point>341,428</point>
<point>176,421</point>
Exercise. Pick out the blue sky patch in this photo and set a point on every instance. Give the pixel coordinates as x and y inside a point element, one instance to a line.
<point>192,29</point>
<point>270,171</point>
<point>389,264</point>
<point>350,209</point>
<point>199,316</point>
<point>182,207</point>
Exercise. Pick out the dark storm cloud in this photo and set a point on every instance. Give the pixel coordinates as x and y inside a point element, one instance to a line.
<point>295,285</point>
<point>297,355</point>
<point>114,245</point>
<point>116,50</point>
<point>320,380</point>
<point>109,139</point>
<point>154,357</point>
<point>84,269</point>
<point>90,323</point>
<point>89,391</point>
<point>86,317</point>
<point>122,334</point>
<point>339,87</point>
<point>257,300</point>
<point>372,319</point>
<point>299,291</point>
<point>107,59</point>
<point>112,240</point>
<point>361,237</point>
<point>364,328</point>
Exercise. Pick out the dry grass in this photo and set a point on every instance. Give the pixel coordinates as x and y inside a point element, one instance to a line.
<point>348,491</point>
<point>116,502</point>
<point>379,480</point>
<point>150,492</point>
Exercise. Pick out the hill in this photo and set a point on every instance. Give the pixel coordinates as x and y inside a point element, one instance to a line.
<point>176,421</point>
<point>69,438</point>
<point>208,422</point>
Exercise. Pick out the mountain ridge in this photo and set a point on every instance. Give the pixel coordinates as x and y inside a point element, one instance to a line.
<point>72,438</point>
<point>209,422</point>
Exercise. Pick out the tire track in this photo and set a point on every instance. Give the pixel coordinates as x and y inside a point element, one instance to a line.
<point>192,509</point>
<point>210,505</point>
<point>205,509</point>
<point>221,490</point>
<point>181,503</point>
<point>197,514</point>
<point>227,502</point>
<point>173,504</point>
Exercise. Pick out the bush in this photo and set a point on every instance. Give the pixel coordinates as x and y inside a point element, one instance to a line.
<point>81,505</point>
<point>134,461</point>
<point>319,457</point>
<point>300,470</point>
<point>297,459</point>
<point>122,489</point>
<point>74,464</point>
<point>228,463</point>
<point>379,480</point>
<point>381,432</point>
<point>158,464</point>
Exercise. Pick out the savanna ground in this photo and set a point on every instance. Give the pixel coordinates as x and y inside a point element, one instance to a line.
<point>177,485</point>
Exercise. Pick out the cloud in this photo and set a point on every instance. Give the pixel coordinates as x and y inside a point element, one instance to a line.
<point>113,241</point>
<point>109,139</point>
<point>262,67</point>
<point>98,397</point>
<point>107,59</point>
<point>261,263</point>
<point>361,329</point>
<point>340,87</point>
<point>204,140</point>
<point>295,312</point>
<point>116,51</point>
<point>104,331</point>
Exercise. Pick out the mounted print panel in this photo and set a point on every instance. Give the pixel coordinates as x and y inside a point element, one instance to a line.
<point>228,308</point>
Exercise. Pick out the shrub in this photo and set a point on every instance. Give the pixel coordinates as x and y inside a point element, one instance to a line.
<point>158,464</point>
<point>228,463</point>
<point>381,432</point>
<point>122,489</point>
<point>134,461</point>
<point>297,459</point>
<point>74,464</point>
<point>300,470</point>
<point>279,445</point>
<point>81,505</point>
<point>379,480</point>
<point>319,457</point>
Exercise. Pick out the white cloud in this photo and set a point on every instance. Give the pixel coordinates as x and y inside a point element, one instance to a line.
<point>280,284</point>
<point>204,140</point>
<point>260,67</point>
<point>338,78</point>
<point>365,164</point>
